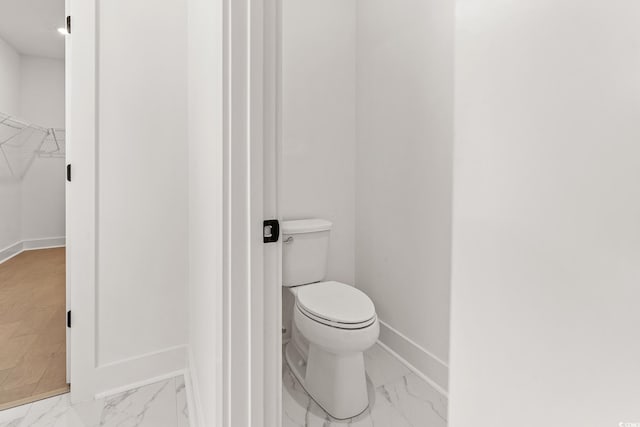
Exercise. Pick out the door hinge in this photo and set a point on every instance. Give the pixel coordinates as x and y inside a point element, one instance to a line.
<point>271,231</point>
<point>68,24</point>
<point>68,172</point>
<point>69,319</point>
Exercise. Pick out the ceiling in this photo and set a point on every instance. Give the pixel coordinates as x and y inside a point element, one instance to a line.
<point>30,26</point>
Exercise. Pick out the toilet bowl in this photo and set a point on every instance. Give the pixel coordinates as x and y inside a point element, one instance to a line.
<point>330,360</point>
<point>333,323</point>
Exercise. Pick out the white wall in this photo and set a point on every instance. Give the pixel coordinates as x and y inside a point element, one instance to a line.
<point>205,206</point>
<point>9,79</point>
<point>10,219</point>
<point>142,257</point>
<point>367,86</point>
<point>318,121</point>
<point>32,89</point>
<point>42,91</point>
<point>42,102</point>
<point>43,193</point>
<point>10,196</point>
<point>547,202</point>
<point>404,171</point>
<point>318,139</point>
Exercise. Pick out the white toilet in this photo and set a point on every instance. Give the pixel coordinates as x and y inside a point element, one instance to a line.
<point>333,323</point>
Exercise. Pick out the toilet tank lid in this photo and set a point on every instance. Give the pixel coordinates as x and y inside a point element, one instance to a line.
<point>300,226</point>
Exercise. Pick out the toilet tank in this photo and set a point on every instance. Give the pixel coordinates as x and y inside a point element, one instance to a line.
<point>305,251</point>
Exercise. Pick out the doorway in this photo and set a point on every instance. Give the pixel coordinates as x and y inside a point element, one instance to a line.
<point>33,333</point>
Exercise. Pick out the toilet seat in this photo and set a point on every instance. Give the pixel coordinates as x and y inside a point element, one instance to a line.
<point>333,324</point>
<point>336,304</point>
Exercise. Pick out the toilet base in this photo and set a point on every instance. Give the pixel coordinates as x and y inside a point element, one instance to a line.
<point>337,383</point>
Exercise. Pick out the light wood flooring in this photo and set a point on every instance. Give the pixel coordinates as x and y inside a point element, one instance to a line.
<point>32,327</point>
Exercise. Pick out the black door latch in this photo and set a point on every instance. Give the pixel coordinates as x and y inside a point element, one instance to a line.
<point>271,231</point>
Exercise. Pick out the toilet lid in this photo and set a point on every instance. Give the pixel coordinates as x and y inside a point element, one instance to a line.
<point>336,302</point>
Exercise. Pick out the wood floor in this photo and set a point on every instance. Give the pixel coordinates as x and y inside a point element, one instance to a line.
<point>32,327</point>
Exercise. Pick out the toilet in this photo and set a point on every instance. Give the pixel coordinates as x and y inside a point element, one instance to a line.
<point>333,323</point>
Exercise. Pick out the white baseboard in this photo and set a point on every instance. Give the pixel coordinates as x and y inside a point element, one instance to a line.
<point>421,361</point>
<point>30,244</point>
<point>138,371</point>
<point>151,368</point>
<point>138,384</point>
<point>10,251</point>
<point>49,242</point>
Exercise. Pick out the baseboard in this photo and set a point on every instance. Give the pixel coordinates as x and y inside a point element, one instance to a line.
<point>196,418</point>
<point>417,358</point>
<point>10,251</point>
<point>30,244</point>
<point>46,243</point>
<point>138,384</point>
<point>139,371</point>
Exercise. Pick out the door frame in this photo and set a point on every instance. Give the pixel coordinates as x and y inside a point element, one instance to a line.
<point>252,380</point>
<point>67,82</point>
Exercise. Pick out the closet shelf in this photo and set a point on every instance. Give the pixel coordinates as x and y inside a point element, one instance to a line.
<point>22,142</point>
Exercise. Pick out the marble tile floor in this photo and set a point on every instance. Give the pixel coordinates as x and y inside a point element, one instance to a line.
<point>162,404</point>
<point>400,398</point>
